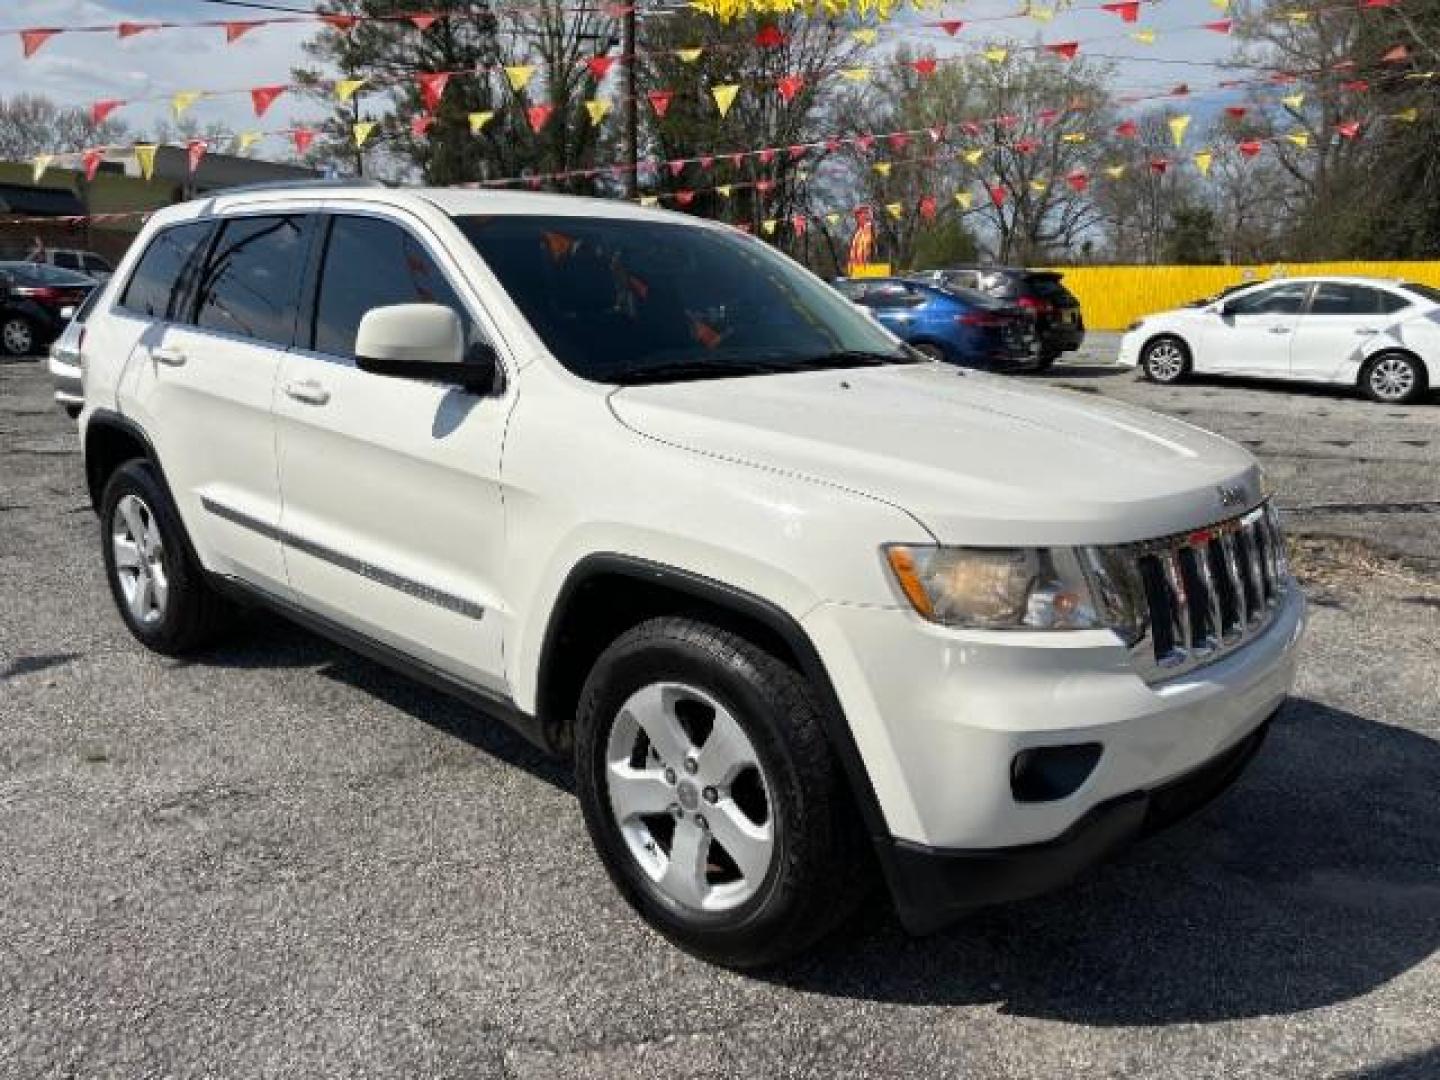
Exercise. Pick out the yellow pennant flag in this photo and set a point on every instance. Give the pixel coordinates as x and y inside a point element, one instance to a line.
<point>519,76</point>
<point>895,210</point>
<point>1203,158</point>
<point>855,74</point>
<point>1294,101</point>
<point>724,97</point>
<point>1298,16</point>
<point>1299,138</point>
<point>1177,126</point>
<point>723,190</point>
<point>1409,115</point>
<point>1223,5</point>
<point>1115,172</point>
<point>769,226</point>
<point>864,36</point>
<point>345,88</point>
<point>183,100</point>
<point>964,199</point>
<point>598,108</point>
<point>882,167</point>
<point>246,140</point>
<point>362,131</point>
<point>688,56</point>
<point>997,56</point>
<point>145,158</point>
<point>1042,15</point>
<point>832,219</point>
<point>1074,137</point>
<point>649,200</point>
<point>1039,185</point>
<point>1422,75</point>
<point>1144,37</point>
<point>972,157</point>
<point>42,162</point>
<point>478,120</point>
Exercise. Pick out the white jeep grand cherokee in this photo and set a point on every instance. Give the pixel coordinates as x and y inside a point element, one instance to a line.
<point>796,602</point>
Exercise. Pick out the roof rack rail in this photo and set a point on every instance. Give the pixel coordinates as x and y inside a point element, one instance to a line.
<point>303,184</point>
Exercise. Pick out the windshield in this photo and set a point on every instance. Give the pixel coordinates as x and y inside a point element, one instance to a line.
<point>42,274</point>
<point>627,301</point>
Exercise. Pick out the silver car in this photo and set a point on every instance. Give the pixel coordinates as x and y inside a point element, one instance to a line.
<point>65,362</point>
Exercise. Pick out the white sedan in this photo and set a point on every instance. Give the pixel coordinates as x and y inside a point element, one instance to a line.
<point>1380,335</point>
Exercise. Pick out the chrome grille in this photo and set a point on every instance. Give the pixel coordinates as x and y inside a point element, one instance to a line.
<point>1206,593</point>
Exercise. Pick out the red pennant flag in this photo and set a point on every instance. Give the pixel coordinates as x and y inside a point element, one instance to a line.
<point>130,29</point>
<point>1221,26</point>
<point>677,166</point>
<point>767,156</point>
<point>1379,3</point>
<point>432,88</point>
<point>744,226</point>
<point>737,160</point>
<point>1079,180</point>
<point>1355,86</point>
<point>262,97</point>
<point>1398,55</point>
<point>937,133</point>
<point>1180,90</point>
<point>102,109</point>
<point>195,153</point>
<point>424,22</point>
<point>1127,129</point>
<point>420,125</point>
<point>1048,116</point>
<point>1249,148</point>
<point>797,152</point>
<point>769,37</point>
<point>865,142</point>
<point>1027,146</point>
<point>302,137</point>
<point>950,26</point>
<point>684,197</point>
<point>1236,112</point>
<point>764,186</point>
<point>927,207</point>
<point>997,194</point>
<point>234,31</point>
<point>898,140</point>
<point>1128,10</point>
<point>971,128</point>
<point>707,162</point>
<point>832,145</point>
<point>789,86</point>
<point>600,66</point>
<point>1348,129</point>
<point>343,23</point>
<point>91,160</point>
<point>1284,78</point>
<point>537,115</point>
<point>660,101</point>
<point>798,223</point>
<point>1008,121</point>
<point>1067,49</point>
<point>924,66</point>
<point>1159,165</point>
<point>31,40</point>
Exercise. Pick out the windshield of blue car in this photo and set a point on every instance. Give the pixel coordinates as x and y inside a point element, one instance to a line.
<point>22,273</point>
<point>630,301</point>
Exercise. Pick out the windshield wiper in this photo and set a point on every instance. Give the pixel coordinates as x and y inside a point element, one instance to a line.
<point>680,370</point>
<point>851,358</point>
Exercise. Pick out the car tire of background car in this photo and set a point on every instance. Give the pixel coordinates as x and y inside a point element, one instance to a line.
<point>1165,360</point>
<point>158,586</point>
<point>1392,378</point>
<point>1046,361</point>
<point>17,336</point>
<point>678,720</point>
<point>930,351</point>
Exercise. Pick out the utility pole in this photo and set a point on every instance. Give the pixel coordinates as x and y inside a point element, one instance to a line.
<point>630,118</point>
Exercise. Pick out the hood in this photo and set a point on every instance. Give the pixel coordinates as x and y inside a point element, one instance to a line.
<point>976,459</point>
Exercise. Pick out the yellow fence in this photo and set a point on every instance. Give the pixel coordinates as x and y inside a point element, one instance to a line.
<point>1113,297</point>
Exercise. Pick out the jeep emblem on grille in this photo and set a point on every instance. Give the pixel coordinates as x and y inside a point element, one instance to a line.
<point>1230,496</point>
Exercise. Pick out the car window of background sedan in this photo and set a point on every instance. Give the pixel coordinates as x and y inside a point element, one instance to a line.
<point>1339,298</point>
<point>1286,299</point>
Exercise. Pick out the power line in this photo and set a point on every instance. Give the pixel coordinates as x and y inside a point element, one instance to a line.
<point>257,6</point>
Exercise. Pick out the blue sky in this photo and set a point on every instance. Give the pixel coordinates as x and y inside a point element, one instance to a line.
<point>77,69</point>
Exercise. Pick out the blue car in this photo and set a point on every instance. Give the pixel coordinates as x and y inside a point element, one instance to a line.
<point>958,326</point>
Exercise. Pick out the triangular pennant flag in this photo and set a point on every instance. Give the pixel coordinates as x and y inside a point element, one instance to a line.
<point>262,97</point>
<point>865,36</point>
<point>345,88</point>
<point>41,163</point>
<point>1178,126</point>
<point>145,158</point>
<point>182,101</point>
<point>600,66</point>
<point>1127,129</point>
<point>723,190</point>
<point>1159,165</point>
<point>724,97</point>
<point>1026,146</point>
<point>1115,172</point>
<point>1348,129</point>
<point>769,37</point>
<point>432,88</point>
<point>1398,55</point>
<point>855,74</point>
<point>766,155</point>
<point>1236,112</point>
<point>660,101</point>
<point>832,219</point>
<point>478,120</point>
<point>789,86</point>
<point>537,115</point>
<point>1144,37</point>
<point>677,166</point>
<point>707,162</point>
<point>195,151</point>
<point>1298,16</point>
<point>1040,185</point>
<point>951,26</point>
<point>302,138</point>
<point>343,23</point>
<point>102,109</point>
<point>1299,138</point>
<point>864,142</point>
<point>130,29</point>
<point>898,140</point>
<point>1180,90</point>
<point>926,207</point>
<point>597,108</point>
<point>799,224</point>
<point>684,197</point>
<point>234,31</point>
<point>31,40</point>
<point>689,56</point>
<point>1128,10</point>
<point>997,194</point>
<point>420,124</point>
<point>1067,49</point>
<point>1202,160</point>
<point>1042,15</point>
<point>769,226</point>
<point>1249,148</point>
<point>997,55</point>
<point>1223,26</point>
<point>924,66</point>
<point>519,76</point>
<point>964,199</point>
<point>882,167</point>
<point>1408,116</point>
<point>895,210</point>
<point>361,131</point>
<point>1078,180</point>
<point>1294,101</point>
<point>424,22</point>
<point>972,157</point>
<point>90,160</point>
<point>246,140</point>
<point>764,186</point>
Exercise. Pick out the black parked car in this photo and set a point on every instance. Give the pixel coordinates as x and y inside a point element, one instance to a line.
<point>1059,325</point>
<point>32,297</point>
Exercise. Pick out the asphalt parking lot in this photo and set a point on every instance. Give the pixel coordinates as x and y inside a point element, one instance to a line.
<point>279,860</point>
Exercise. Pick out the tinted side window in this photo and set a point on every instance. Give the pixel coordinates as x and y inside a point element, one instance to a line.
<point>372,263</point>
<point>1338,299</point>
<point>251,278</point>
<point>66,259</point>
<point>170,259</point>
<point>96,265</point>
<point>1276,300</point>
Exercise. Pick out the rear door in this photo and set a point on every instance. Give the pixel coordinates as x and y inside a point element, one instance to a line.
<point>393,522</point>
<point>1341,318</point>
<point>203,376</point>
<point>1253,333</point>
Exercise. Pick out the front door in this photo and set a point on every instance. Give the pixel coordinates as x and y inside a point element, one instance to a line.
<point>393,521</point>
<point>1251,334</point>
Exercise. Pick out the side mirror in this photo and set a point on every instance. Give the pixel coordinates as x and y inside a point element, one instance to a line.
<point>425,342</point>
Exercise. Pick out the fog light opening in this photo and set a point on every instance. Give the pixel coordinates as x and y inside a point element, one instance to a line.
<point>1047,773</point>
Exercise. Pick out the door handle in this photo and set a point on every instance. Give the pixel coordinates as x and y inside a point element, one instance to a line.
<point>168,357</point>
<point>1280,330</point>
<point>308,391</point>
<point>1367,330</point>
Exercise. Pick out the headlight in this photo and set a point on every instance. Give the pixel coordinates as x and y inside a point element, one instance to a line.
<point>1020,588</point>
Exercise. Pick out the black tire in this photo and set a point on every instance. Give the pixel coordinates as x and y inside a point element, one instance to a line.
<point>818,869</point>
<point>931,351</point>
<point>1393,378</point>
<point>192,613</point>
<point>1165,360</point>
<point>1046,360</point>
<point>16,329</point>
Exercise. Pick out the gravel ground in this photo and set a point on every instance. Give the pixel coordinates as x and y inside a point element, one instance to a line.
<point>279,860</point>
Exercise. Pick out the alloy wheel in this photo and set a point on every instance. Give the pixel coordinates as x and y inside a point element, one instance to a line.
<point>689,795</point>
<point>18,337</point>
<point>1392,378</point>
<point>139,560</point>
<point>1164,361</point>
